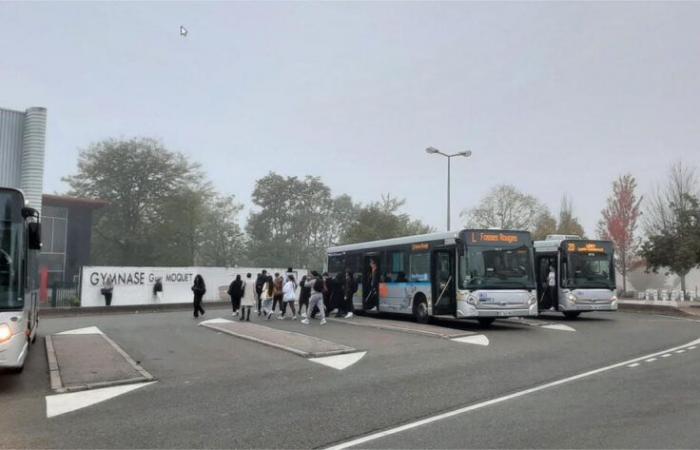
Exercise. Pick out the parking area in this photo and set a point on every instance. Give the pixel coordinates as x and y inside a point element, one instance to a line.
<point>216,385</point>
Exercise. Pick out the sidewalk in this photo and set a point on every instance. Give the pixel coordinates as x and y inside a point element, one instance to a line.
<point>666,307</point>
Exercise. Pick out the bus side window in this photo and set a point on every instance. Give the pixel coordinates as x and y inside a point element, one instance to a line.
<point>420,267</point>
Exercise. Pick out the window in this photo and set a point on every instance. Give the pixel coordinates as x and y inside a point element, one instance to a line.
<point>336,263</point>
<point>420,267</point>
<point>396,270</point>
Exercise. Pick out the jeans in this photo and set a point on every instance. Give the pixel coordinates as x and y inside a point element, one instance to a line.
<point>266,305</point>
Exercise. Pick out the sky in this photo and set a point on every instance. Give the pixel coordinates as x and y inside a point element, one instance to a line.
<point>553,98</point>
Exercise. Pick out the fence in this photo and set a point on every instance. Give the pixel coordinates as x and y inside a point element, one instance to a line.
<point>63,294</point>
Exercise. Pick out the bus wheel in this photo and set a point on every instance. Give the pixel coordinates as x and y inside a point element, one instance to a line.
<point>571,315</point>
<point>420,310</point>
<point>486,322</point>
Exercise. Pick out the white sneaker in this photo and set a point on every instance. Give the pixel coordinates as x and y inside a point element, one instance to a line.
<point>323,321</point>
<point>303,315</point>
<point>269,315</point>
<point>305,321</point>
<point>349,315</point>
<point>280,317</point>
<point>294,317</point>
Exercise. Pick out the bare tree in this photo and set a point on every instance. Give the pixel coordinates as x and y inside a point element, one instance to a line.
<point>507,208</point>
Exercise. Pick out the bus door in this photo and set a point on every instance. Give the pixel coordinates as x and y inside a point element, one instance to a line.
<point>443,282</point>
<point>546,297</point>
<point>367,278</point>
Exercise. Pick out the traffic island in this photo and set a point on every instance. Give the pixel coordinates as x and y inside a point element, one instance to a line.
<point>290,341</point>
<point>405,327</point>
<point>88,359</point>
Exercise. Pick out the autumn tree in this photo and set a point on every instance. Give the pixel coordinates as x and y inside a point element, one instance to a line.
<point>619,223</point>
<point>568,223</point>
<point>382,220</point>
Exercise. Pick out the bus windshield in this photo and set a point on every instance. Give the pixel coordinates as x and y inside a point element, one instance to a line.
<point>488,267</point>
<point>590,270</point>
<point>10,251</point>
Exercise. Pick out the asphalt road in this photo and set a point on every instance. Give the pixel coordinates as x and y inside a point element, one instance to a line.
<point>218,391</point>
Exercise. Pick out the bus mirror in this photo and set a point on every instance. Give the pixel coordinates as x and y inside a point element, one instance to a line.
<point>34,241</point>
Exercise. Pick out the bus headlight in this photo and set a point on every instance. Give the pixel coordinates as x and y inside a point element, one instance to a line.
<point>472,300</point>
<point>572,298</point>
<point>5,332</point>
<point>613,298</point>
<point>532,299</point>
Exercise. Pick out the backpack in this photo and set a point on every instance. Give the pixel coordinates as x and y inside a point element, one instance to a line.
<point>318,285</point>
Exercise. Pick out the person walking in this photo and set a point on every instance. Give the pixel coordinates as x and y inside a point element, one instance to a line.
<point>249,297</point>
<point>266,296</point>
<point>316,299</point>
<point>290,295</point>
<point>278,295</point>
<point>158,290</point>
<point>235,291</point>
<point>552,287</point>
<point>259,282</point>
<point>199,289</point>
<point>304,294</point>
<point>349,293</point>
<point>372,300</point>
<point>337,294</point>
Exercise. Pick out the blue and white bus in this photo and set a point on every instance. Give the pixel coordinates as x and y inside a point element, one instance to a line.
<point>479,274</point>
<point>20,242</point>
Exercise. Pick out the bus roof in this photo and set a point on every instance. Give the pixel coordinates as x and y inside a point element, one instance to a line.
<point>411,240</point>
<point>395,241</point>
<point>552,243</point>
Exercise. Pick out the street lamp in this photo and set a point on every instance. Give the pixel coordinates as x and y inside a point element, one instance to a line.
<point>466,154</point>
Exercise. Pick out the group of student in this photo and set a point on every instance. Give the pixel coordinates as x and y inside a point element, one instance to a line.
<point>273,295</point>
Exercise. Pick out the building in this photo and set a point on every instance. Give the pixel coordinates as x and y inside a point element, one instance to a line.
<point>66,228</point>
<point>22,141</point>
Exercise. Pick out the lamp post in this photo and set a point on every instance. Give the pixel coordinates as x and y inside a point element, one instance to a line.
<point>466,154</point>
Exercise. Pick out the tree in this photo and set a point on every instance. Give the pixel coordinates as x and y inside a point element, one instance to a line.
<point>507,208</point>
<point>545,225</point>
<point>568,223</point>
<point>221,241</point>
<point>382,220</point>
<point>619,223</point>
<point>672,223</point>
<point>137,177</point>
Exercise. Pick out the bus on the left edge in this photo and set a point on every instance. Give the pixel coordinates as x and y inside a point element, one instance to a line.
<point>20,242</point>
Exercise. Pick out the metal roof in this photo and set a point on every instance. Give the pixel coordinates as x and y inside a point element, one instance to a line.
<point>396,241</point>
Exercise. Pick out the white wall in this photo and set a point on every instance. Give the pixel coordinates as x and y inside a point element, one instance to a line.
<point>134,285</point>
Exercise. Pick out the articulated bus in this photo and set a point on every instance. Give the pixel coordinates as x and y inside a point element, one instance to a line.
<point>584,275</point>
<point>480,274</point>
<point>20,240</point>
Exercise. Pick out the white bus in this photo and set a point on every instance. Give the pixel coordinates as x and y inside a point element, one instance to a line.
<point>20,240</point>
<point>479,274</point>
<point>584,275</point>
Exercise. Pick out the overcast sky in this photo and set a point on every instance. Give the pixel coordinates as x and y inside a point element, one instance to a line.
<point>553,98</point>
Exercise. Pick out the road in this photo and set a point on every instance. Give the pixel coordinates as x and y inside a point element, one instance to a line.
<point>219,391</point>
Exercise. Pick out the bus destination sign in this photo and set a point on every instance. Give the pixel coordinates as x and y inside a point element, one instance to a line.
<point>589,247</point>
<point>421,246</point>
<point>483,237</point>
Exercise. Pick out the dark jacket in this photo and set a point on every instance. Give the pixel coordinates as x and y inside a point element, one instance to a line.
<point>235,289</point>
<point>199,288</point>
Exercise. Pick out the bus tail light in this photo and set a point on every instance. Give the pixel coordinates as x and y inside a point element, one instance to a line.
<point>5,332</point>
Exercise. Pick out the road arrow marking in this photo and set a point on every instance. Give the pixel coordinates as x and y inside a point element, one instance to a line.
<point>479,339</point>
<point>87,330</point>
<point>65,403</point>
<point>339,362</point>
<point>558,326</point>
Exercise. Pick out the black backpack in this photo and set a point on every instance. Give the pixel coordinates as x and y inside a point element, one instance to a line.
<point>318,285</point>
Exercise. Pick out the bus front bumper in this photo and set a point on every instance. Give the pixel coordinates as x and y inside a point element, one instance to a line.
<point>583,306</point>
<point>467,310</point>
<point>14,351</point>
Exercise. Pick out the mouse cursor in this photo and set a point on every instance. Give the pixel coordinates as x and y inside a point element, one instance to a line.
<point>183,31</point>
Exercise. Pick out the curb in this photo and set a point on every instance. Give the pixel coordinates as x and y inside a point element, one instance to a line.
<point>656,309</point>
<point>124,309</point>
<point>400,329</point>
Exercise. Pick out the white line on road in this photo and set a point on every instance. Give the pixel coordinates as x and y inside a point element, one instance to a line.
<point>558,326</point>
<point>65,403</point>
<point>633,365</point>
<point>479,339</point>
<point>494,401</point>
<point>666,355</point>
<point>650,360</point>
<point>692,348</point>
<point>680,351</point>
<point>86,330</point>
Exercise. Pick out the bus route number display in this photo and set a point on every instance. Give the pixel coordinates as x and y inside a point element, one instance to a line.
<point>590,247</point>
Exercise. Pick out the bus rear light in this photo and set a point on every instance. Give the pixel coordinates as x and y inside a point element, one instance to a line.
<point>5,332</point>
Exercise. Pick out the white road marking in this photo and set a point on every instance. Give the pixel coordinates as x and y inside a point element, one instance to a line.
<point>680,351</point>
<point>666,355</point>
<point>86,330</point>
<point>339,362</point>
<point>456,412</point>
<point>217,320</point>
<point>633,365</point>
<point>65,403</point>
<point>479,339</point>
<point>558,326</point>
<point>650,360</point>
<point>692,348</point>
